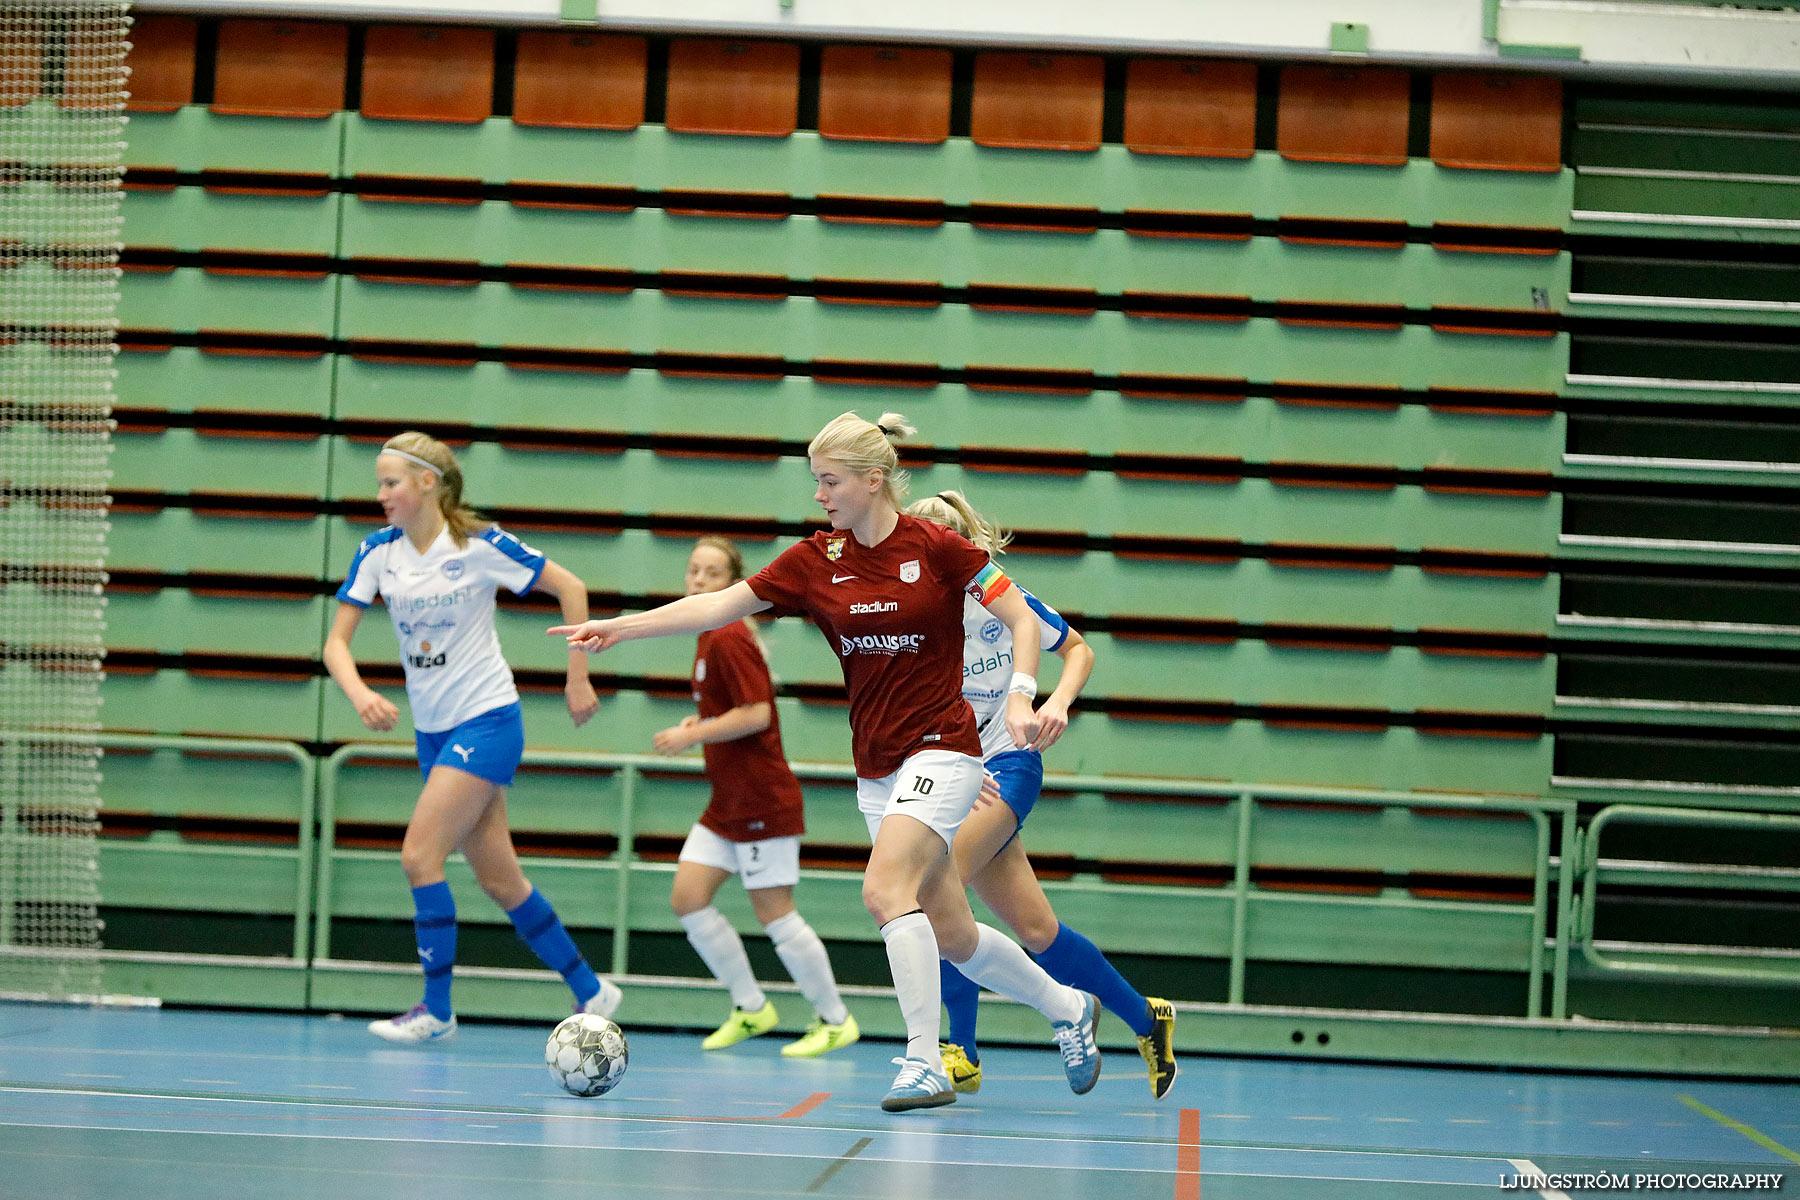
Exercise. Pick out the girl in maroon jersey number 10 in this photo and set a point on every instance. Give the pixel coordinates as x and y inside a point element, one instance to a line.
<point>887,591</point>
<point>751,827</point>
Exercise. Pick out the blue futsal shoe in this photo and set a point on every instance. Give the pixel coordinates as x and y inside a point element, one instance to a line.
<point>1080,1053</point>
<point>920,1084</point>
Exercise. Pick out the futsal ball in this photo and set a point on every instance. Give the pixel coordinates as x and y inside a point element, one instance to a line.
<point>587,1055</point>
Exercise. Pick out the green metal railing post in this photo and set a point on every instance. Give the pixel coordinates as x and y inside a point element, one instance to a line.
<point>1240,903</point>
<point>621,956</point>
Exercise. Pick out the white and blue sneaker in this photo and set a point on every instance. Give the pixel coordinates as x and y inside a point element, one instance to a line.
<point>605,1002</point>
<point>920,1084</point>
<point>414,1026</point>
<point>1080,1053</point>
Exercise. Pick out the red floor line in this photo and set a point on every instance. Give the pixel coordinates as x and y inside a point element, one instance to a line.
<point>805,1106</point>
<point>1187,1156</point>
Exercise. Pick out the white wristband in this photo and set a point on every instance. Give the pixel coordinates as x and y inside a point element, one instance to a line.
<point>1025,685</point>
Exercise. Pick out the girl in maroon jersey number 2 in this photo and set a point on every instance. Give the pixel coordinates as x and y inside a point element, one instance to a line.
<point>887,590</point>
<point>751,827</point>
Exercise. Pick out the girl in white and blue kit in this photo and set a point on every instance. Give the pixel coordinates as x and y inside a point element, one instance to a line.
<point>438,570</point>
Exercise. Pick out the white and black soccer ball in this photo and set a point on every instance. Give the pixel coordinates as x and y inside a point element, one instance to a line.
<point>587,1055</point>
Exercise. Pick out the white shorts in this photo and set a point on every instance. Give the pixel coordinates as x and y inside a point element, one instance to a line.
<point>772,862</point>
<point>937,787</point>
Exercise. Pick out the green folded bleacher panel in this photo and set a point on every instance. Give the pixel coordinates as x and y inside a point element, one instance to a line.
<point>1146,919</point>
<point>1463,279</point>
<point>1448,599</point>
<point>888,170</point>
<point>995,175</point>
<point>498,314</point>
<point>1459,438</point>
<point>1187,266</point>
<point>726,245</point>
<point>174,620</point>
<point>1387,929</point>
<point>799,653</point>
<point>1316,751</point>
<point>1213,349</point>
<point>194,139</point>
<point>1304,352</point>
<point>1286,674</point>
<point>498,233</point>
<point>239,703</point>
<point>1326,515</point>
<point>1346,191</point>
<point>176,461</point>
<point>813,731</point>
<point>166,871</point>
<point>541,799</point>
<point>1409,437</point>
<point>186,379</point>
<point>1394,841</point>
<point>191,300</point>
<point>1119,828</point>
<point>1111,744</point>
<point>369,885</point>
<point>1518,524</point>
<point>1176,183</point>
<point>178,540</point>
<point>888,251</point>
<point>495,151</point>
<point>881,333</point>
<point>1481,361</point>
<point>1164,669</point>
<point>1452,762</point>
<point>1033,258</point>
<point>193,218</point>
<point>171,783</point>
<point>1471,682</point>
<point>1514,199</point>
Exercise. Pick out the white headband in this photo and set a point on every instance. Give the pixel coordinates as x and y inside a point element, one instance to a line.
<point>429,466</point>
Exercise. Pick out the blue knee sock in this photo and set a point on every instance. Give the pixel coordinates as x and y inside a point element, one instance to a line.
<point>1074,960</point>
<point>960,995</point>
<point>539,928</point>
<point>434,927</point>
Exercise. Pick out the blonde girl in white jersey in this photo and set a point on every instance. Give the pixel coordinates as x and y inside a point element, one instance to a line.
<point>437,570</point>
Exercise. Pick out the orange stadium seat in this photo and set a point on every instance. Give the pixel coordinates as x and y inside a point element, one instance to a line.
<point>1344,114</point>
<point>162,64</point>
<point>1490,121</point>
<point>717,85</point>
<point>885,94</point>
<point>1038,101</point>
<point>428,73</point>
<point>1191,106</point>
<point>579,80</point>
<point>280,68</point>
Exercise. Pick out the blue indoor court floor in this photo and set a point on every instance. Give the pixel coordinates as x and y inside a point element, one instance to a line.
<point>148,1105</point>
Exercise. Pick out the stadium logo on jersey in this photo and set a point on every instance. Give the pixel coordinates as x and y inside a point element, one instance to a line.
<point>881,643</point>
<point>876,607</point>
<point>834,549</point>
<point>991,629</point>
<point>909,571</point>
<point>453,569</point>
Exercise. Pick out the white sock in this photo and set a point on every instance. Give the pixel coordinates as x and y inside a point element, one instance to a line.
<point>803,954</point>
<point>722,950</point>
<point>912,952</point>
<point>1001,965</point>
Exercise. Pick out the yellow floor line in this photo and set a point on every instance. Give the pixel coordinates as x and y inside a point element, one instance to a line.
<point>1757,1136</point>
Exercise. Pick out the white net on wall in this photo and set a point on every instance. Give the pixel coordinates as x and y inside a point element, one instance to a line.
<point>62,127</point>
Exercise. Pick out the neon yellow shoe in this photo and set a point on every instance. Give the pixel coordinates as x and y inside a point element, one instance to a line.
<point>740,1025</point>
<point>1158,1047</point>
<point>965,1076</point>
<point>823,1038</point>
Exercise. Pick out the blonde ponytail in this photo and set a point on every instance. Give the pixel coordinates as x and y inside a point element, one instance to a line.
<point>421,451</point>
<point>863,446</point>
<point>952,510</point>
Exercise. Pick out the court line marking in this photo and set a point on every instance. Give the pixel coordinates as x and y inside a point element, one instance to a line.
<point>1187,1156</point>
<point>724,1122</point>
<point>838,1163</point>
<point>1756,1135</point>
<point>928,1162</point>
<point>1525,1166</point>
<point>805,1106</point>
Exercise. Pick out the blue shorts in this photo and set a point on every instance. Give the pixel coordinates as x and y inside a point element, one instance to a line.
<point>1020,774</point>
<point>488,746</point>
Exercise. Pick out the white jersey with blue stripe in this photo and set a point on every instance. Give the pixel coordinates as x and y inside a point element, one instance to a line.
<point>988,664</point>
<point>442,606</point>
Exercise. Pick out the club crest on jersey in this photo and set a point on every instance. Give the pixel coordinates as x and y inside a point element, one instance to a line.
<point>700,670</point>
<point>909,571</point>
<point>834,549</point>
<point>991,629</point>
<point>453,568</point>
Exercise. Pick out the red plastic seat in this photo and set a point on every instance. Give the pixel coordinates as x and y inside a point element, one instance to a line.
<point>1191,106</point>
<point>579,80</point>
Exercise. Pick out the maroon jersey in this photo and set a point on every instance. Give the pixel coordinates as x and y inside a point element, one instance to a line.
<point>894,615</point>
<point>754,792</point>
